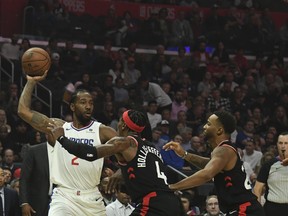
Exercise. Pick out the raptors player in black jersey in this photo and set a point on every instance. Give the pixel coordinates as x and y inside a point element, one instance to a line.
<point>141,165</point>
<point>232,186</point>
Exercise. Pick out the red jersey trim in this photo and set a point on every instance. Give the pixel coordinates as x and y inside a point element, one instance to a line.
<point>146,202</point>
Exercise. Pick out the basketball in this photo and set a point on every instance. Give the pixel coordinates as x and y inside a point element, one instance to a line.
<point>35,61</point>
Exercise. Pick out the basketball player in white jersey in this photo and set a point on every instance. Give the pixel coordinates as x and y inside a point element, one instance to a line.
<point>76,180</point>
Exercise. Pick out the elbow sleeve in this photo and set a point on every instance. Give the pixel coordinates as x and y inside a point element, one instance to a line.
<point>80,150</point>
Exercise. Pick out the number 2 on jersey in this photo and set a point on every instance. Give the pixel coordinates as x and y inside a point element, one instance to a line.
<point>73,162</point>
<point>159,173</point>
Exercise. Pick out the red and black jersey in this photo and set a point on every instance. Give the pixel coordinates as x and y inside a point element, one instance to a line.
<point>145,173</point>
<point>233,187</point>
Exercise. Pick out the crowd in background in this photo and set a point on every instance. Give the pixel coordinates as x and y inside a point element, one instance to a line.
<point>177,92</point>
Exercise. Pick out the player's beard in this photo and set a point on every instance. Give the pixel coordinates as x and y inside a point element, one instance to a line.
<point>83,120</point>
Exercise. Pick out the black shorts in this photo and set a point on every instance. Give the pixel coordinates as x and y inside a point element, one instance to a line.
<point>158,204</point>
<point>252,208</point>
<point>273,209</point>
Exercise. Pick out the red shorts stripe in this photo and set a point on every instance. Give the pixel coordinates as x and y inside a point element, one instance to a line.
<point>243,208</point>
<point>146,201</point>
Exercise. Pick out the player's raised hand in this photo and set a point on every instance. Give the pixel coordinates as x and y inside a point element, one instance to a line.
<point>175,146</point>
<point>37,78</point>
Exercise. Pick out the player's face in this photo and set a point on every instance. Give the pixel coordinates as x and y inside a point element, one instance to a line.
<point>211,127</point>
<point>83,107</point>
<point>282,145</point>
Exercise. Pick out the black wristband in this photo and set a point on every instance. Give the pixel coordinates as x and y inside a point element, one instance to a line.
<point>80,150</point>
<point>60,139</point>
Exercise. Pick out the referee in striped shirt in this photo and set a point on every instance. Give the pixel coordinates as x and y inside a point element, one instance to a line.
<point>274,177</point>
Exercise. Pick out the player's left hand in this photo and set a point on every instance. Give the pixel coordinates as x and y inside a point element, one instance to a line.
<point>55,131</point>
<point>175,146</point>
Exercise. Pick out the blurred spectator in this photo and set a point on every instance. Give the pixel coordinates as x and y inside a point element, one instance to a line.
<point>171,158</point>
<point>206,84</point>
<point>153,117</point>
<point>156,134</point>
<point>250,155</point>
<point>9,162</point>
<point>240,59</point>
<point>10,198</point>
<point>56,71</point>
<point>18,138</point>
<point>212,206</point>
<point>114,122</point>
<point>7,175</point>
<point>3,120</point>
<point>216,69</point>
<point>196,117</point>
<point>11,50</point>
<point>186,134</point>
<point>221,53</point>
<point>216,102</point>
<point>131,73</point>
<point>121,206</point>
<point>120,92</point>
<point>15,185</point>
<point>279,119</point>
<point>182,34</point>
<point>35,180</point>
<point>178,104</point>
<point>164,25</point>
<point>127,31</point>
<point>152,91</point>
<point>189,209</point>
<point>24,46</point>
<point>247,133</point>
<point>259,119</point>
<point>229,78</point>
<point>117,70</point>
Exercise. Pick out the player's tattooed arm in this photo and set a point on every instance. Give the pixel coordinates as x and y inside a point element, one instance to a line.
<point>196,160</point>
<point>37,120</point>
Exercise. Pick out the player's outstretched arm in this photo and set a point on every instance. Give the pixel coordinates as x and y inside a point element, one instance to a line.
<point>37,120</point>
<point>91,153</point>
<point>217,163</point>
<point>194,159</point>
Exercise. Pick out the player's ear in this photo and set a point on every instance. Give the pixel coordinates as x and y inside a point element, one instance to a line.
<point>72,107</point>
<point>220,131</point>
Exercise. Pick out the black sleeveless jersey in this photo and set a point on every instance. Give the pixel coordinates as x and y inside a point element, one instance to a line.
<point>145,172</point>
<point>233,187</point>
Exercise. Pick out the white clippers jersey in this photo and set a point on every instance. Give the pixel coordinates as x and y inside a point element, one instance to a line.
<point>71,172</point>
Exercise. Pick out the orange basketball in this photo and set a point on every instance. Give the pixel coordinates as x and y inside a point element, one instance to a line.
<point>35,61</point>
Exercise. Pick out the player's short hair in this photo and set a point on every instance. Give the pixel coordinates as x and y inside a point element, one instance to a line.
<point>227,120</point>
<point>75,94</point>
